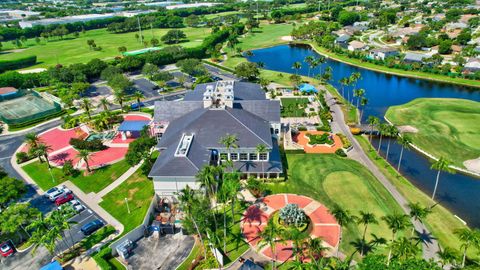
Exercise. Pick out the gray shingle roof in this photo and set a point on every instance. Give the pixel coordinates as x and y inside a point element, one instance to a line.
<point>267,109</point>
<point>170,110</point>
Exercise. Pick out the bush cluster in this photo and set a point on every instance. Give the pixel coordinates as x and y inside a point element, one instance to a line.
<point>17,63</point>
<point>93,145</point>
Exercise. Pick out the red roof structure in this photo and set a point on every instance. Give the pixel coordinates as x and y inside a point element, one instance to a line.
<point>7,90</point>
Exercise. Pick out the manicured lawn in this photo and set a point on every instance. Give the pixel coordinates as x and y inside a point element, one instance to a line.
<point>330,179</point>
<point>75,50</point>
<point>293,107</point>
<point>440,222</point>
<point>94,182</point>
<point>446,127</point>
<point>138,189</point>
<point>236,244</point>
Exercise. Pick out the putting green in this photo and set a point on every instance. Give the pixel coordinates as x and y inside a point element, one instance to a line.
<point>446,127</point>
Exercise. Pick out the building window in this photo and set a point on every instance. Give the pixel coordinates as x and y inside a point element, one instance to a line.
<point>263,156</point>
<point>276,131</point>
<point>243,156</point>
<point>234,156</point>
<point>223,156</point>
<point>253,156</point>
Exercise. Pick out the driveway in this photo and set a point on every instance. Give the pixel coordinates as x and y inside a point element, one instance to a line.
<point>166,252</point>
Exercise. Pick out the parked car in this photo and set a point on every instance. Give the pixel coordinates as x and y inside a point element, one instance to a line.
<point>7,249</point>
<point>91,227</point>
<point>76,205</point>
<point>64,198</point>
<point>53,193</point>
<point>135,106</point>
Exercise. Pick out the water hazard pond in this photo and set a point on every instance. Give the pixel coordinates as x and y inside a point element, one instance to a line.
<point>458,192</point>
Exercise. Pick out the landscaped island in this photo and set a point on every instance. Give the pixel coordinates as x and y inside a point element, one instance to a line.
<point>443,128</point>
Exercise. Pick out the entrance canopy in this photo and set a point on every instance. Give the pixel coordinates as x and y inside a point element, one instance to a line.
<point>133,126</point>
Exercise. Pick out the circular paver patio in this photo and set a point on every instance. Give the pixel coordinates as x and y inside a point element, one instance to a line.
<point>323,224</point>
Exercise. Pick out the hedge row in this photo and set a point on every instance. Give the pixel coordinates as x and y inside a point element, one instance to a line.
<point>35,121</point>
<point>17,63</point>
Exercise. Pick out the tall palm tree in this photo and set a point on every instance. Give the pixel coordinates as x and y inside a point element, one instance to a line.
<point>404,141</point>
<point>358,93</point>
<point>382,130</point>
<point>42,151</point>
<point>342,216</point>
<point>404,248</point>
<point>261,149</point>
<point>86,156</point>
<point>32,140</point>
<point>440,165</point>
<point>297,66</point>
<point>309,60</point>
<point>417,212</point>
<point>392,132</point>
<point>186,197</point>
<point>270,237</point>
<point>315,249</point>
<point>447,255</point>
<point>468,238</point>
<point>206,178</point>
<point>363,103</point>
<point>365,219</point>
<point>298,239</point>
<point>86,105</point>
<point>344,82</point>
<point>396,223</point>
<point>138,97</point>
<point>119,97</point>
<point>104,103</point>
<point>229,141</point>
<point>233,186</point>
<point>372,121</point>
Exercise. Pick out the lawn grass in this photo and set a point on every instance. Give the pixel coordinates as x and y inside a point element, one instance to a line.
<point>441,222</point>
<point>399,72</point>
<point>293,107</point>
<point>138,189</point>
<point>447,127</point>
<point>236,244</point>
<point>94,182</point>
<point>75,50</point>
<point>192,256</point>
<point>330,179</point>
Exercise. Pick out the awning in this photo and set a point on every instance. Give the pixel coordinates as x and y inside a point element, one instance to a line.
<point>55,265</point>
<point>133,125</point>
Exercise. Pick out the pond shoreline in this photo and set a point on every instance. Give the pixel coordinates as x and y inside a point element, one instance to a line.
<point>334,57</point>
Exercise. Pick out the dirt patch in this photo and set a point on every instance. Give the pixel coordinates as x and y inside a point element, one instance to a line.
<point>472,165</point>
<point>408,129</point>
<point>131,192</point>
<point>287,38</point>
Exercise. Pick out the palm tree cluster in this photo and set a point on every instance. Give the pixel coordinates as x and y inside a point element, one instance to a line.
<point>37,148</point>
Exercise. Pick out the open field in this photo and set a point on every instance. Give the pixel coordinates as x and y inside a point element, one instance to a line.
<point>446,127</point>
<point>330,179</point>
<point>440,222</point>
<point>95,182</point>
<point>293,107</point>
<point>75,50</point>
<point>138,189</point>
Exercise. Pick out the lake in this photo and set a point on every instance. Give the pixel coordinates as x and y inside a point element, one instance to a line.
<point>457,192</point>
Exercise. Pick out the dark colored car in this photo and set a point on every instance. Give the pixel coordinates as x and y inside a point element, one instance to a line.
<point>63,199</point>
<point>7,249</point>
<point>91,227</point>
<point>135,106</point>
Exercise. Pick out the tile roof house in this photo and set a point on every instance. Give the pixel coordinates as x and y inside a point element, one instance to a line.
<point>342,40</point>
<point>356,46</point>
<point>189,133</point>
<point>473,65</point>
<point>382,53</point>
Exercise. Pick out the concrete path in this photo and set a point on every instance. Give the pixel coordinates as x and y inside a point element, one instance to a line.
<point>430,245</point>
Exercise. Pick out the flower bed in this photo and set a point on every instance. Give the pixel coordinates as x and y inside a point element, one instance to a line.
<point>319,139</point>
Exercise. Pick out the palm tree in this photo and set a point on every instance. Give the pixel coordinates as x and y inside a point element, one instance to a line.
<point>468,238</point>
<point>104,103</point>
<point>382,129</point>
<point>392,132</point>
<point>86,104</point>
<point>233,186</point>
<point>404,141</point>
<point>358,93</point>
<point>32,140</point>
<point>42,151</point>
<point>207,179</point>
<point>138,96</point>
<point>186,197</point>
<point>447,255</point>
<point>119,96</point>
<point>418,213</point>
<point>297,66</point>
<point>342,216</point>
<point>261,149</point>
<point>363,103</point>
<point>345,81</point>
<point>403,247</point>
<point>315,249</point>
<point>365,219</point>
<point>309,60</point>
<point>270,236</point>
<point>372,121</point>
<point>85,155</point>
<point>441,164</point>
<point>396,223</point>
<point>298,239</point>
<point>327,75</point>
<point>229,141</point>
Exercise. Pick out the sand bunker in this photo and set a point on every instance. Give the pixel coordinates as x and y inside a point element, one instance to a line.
<point>409,129</point>
<point>472,165</point>
<point>287,38</point>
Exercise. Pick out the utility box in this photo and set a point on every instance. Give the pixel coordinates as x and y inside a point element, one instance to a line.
<point>125,249</point>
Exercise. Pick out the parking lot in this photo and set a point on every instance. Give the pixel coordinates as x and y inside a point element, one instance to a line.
<point>97,90</point>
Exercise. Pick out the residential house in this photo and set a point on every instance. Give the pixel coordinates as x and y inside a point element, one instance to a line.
<point>411,57</point>
<point>455,25</point>
<point>382,53</point>
<point>473,65</point>
<point>189,134</point>
<point>438,17</point>
<point>342,41</point>
<point>356,46</point>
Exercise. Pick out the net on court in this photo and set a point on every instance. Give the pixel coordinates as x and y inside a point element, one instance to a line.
<point>26,108</point>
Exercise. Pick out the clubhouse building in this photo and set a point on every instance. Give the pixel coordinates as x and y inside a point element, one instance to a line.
<point>189,134</point>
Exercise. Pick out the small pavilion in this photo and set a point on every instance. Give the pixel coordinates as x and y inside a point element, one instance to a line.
<point>307,88</point>
<point>132,129</point>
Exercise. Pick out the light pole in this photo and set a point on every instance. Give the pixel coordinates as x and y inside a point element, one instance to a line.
<point>128,208</point>
<point>51,174</point>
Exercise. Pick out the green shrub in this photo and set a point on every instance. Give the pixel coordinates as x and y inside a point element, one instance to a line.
<point>68,168</point>
<point>302,128</point>
<point>291,214</point>
<point>345,141</point>
<point>256,187</point>
<point>22,157</point>
<point>17,63</point>
<point>340,152</point>
<point>101,258</point>
<point>319,139</point>
<point>93,145</point>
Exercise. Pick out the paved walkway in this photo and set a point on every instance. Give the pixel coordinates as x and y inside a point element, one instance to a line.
<point>430,245</point>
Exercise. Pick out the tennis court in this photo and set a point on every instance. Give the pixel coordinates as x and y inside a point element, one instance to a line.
<point>26,108</point>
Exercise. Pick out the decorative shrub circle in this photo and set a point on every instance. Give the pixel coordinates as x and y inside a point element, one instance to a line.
<point>291,216</point>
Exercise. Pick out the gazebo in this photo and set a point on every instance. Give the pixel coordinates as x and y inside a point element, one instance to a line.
<point>307,88</point>
<point>131,129</point>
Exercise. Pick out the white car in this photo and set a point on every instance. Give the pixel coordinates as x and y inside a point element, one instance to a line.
<point>55,192</point>
<point>75,204</point>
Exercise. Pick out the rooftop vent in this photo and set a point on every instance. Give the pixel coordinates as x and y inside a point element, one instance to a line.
<point>184,145</point>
